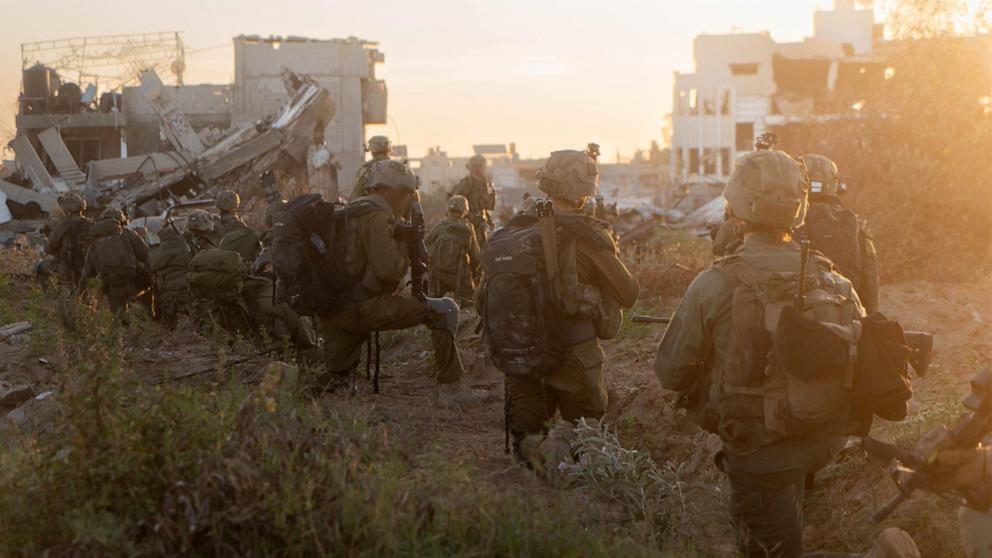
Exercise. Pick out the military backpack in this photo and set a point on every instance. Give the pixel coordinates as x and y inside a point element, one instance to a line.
<point>448,250</point>
<point>520,316</point>
<point>216,274</point>
<point>834,231</point>
<point>73,250</point>
<point>115,260</point>
<point>308,252</point>
<point>788,372</point>
<point>243,240</point>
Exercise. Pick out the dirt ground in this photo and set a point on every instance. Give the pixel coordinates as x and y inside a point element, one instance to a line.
<point>640,411</point>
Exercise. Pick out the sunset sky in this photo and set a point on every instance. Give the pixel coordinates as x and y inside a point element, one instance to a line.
<point>545,74</point>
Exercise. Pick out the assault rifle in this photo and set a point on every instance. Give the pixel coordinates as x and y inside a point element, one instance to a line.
<point>650,320</point>
<point>916,469</point>
<point>418,250</point>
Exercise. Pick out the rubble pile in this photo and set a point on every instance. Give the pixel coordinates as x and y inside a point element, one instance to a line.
<point>198,164</point>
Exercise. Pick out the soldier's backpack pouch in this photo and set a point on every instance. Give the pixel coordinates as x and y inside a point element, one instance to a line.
<point>881,382</point>
<point>244,241</point>
<point>216,274</point>
<point>519,316</point>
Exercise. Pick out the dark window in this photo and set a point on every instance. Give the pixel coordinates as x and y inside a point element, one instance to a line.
<point>745,136</point>
<point>709,161</point>
<point>693,160</point>
<point>744,69</point>
<point>725,160</point>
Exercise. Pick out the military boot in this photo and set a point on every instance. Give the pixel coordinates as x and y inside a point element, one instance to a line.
<point>458,396</point>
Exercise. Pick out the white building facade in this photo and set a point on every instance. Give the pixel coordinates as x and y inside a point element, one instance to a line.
<point>745,83</point>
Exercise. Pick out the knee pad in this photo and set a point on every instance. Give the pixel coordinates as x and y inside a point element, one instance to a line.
<point>445,314</point>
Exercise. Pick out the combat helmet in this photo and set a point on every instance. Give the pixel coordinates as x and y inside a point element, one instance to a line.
<point>570,175</point>
<point>476,162</point>
<point>823,176</point>
<point>114,214</point>
<point>768,188</point>
<point>199,220</point>
<point>392,174</point>
<point>379,145</point>
<point>227,200</point>
<point>72,202</point>
<point>458,204</point>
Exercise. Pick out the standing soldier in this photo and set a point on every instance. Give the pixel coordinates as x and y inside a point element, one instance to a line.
<point>167,262</point>
<point>838,233</point>
<point>453,253</point>
<point>778,421</point>
<point>67,242</point>
<point>115,259</point>
<point>236,235</point>
<point>200,231</point>
<point>380,149</point>
<point>478,190</point>
<point>542,327</point>
<point>378,258</point>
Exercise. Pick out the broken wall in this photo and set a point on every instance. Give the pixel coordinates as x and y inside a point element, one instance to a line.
<point>340,66</point>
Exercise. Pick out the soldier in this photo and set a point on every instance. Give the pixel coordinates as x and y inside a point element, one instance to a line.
<point>275,318</point>
<point>201,233</point>
<point>115,258</point>
<point>167,262</point>
<point>838,233</point>
<point>453,253</point>
<point>143,280</point>
<point>377,262</point>
<point>594,287</point>
<point>68,241</point>
<point>276,202</point>
<point>380,149</point>
<point>478,190</point>
<point>713,355</point>
<point>236,235</point>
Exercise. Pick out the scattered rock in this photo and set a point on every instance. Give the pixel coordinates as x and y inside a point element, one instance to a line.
<point>12,396</point>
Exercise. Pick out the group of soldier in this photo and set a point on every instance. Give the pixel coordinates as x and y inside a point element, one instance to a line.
<point>707,355</point>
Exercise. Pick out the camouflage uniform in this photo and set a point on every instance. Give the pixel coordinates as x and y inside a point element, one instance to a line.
<point>481,199</point>
<point>767,483</point>
<point>578,388</point>
<point>378,263</point>
<point>454,253</point>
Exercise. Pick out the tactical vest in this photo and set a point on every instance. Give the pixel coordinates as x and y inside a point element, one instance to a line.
<point>834,231</point>
<point>448,257</point>
<point>786,373</point>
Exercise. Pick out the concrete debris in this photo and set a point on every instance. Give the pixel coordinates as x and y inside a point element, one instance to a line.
<point>10,330</point>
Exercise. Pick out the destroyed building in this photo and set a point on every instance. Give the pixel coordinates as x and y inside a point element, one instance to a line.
<point>746,83</point>
<point>297,105</point>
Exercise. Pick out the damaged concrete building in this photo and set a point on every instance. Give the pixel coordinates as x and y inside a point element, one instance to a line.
<point>297,105</point>
<point>746,83</point>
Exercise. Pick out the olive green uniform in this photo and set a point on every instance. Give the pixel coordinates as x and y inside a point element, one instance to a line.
<point>364,174</point>
<point>378,264</point>
<point>67,235</point>
<point>276,319</point>
<point>201,240</point>
<point>865,279</point>
<point>728,238</point>
<point>577,389</point>
<point>236,235</point>
<point>766,483</point>
<point>481,198</point>
<point>167,263</point>
<point>453,258</point>
<point>132,255</point>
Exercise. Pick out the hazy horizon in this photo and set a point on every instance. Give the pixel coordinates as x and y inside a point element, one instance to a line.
<point>544,75</point>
